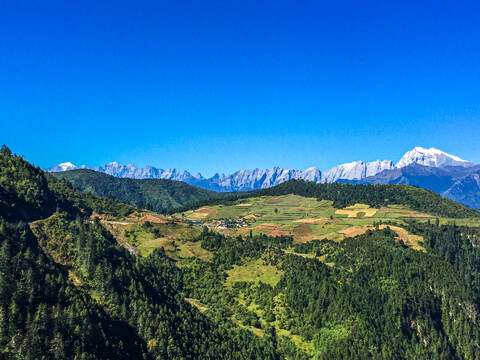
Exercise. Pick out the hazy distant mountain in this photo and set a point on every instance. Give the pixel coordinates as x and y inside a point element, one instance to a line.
<point>432,169</point>
<point>466,190</point>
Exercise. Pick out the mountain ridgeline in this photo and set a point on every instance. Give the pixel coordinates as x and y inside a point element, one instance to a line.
<point>160,195</point>
<point>432,169</point>
<point>28,193</point>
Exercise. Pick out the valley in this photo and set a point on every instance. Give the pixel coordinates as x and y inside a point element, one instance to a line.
<point>296,271</point>
<point>240,180</point>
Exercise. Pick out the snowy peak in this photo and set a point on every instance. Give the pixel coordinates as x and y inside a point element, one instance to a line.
<point>356,170</point>
<point>431,157</point>
<point>312,174</point>
<point>245,180</point>
<point>66,166</point>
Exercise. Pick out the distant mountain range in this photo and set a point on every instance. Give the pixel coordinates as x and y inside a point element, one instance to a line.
<point>432,169</point>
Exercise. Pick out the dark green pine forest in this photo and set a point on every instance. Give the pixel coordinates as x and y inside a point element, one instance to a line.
<point>69,290</point>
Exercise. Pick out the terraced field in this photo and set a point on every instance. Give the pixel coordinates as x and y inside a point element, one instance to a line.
<point>303,218</point>
<point>307,218</point>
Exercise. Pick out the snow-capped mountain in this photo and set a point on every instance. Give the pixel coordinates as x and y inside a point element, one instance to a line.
<point>66,166</point>
<point>431,157</point>
<point>245,180</point>
<point>356,170</point>
<point>148,172</point>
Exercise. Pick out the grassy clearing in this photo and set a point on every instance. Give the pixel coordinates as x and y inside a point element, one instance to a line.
<point>397,211</point>
<point>190,249</point>
<point>256,331</point>
<point>470,222</point>
<point>195,302</point>
<point>146,247</point>
<point>173,237</point>
<point>254,271</point>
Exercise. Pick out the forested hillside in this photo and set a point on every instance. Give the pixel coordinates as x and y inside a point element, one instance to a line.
<point>28,193</point>
<point>159,195</point>
<point>366,297</point>
<point>69,289</point>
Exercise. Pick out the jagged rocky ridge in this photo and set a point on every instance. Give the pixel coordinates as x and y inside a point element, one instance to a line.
<point>242,180</point>
<point>432,169</point>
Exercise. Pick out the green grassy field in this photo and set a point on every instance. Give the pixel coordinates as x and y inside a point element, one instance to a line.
<point>254,271</point>
<point>307,218</point>
<point>304,219</point>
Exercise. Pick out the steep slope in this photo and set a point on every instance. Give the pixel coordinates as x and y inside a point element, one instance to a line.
<point>45,315</point>
<point>68,290</point>
<point>156,194</point>
<point>466,190</point>
<point>374,299</point>
<point>27,193</point>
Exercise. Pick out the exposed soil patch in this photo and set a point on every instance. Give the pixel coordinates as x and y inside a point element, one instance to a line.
<point>101,216</point>
<point>402,233</point>
<point>302,230</point>
<point>153,219</point>
<point>354,231</point>
<point>279,233</point>
<point>208,211</point>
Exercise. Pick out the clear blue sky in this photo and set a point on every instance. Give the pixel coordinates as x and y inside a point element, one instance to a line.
<point>222,85</point>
